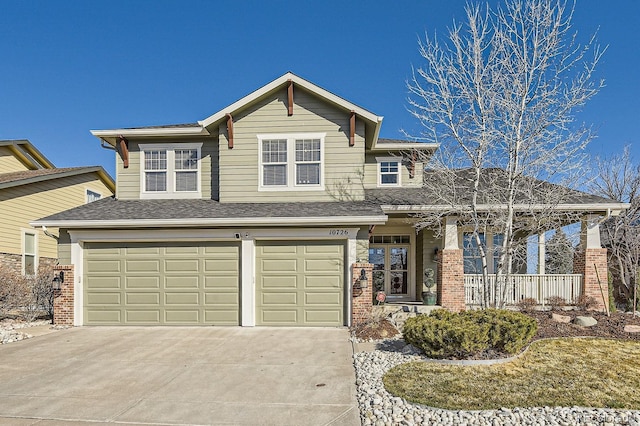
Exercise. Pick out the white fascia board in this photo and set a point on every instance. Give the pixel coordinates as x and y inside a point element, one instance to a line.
<point>162,131</point>
<point>298,81</point>
<point>182,223</point>
<point>609,208</point>
<point>404,146</point>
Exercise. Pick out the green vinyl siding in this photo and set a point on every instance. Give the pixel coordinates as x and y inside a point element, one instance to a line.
<point>161,284</point>
<point>128,180</point>
<point>300,284</point>
<point>371,171</point>
<point>239,166</point>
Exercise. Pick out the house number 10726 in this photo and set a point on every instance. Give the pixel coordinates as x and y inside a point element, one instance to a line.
<point>338,232</point>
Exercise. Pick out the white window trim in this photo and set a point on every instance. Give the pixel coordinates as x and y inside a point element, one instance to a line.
<point>86,195</point>
<point>291,163</point>
<point>33,232</point>
<point>398,160</point>
<point>171,184</point>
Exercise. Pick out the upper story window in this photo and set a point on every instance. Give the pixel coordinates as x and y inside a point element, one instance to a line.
<point>92,196</point>
<point>291,161</point>
<point>388,171</point>
<point>170,170</point>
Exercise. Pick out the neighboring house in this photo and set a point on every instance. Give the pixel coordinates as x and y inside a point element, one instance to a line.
<point>30,188</point>
<point>265,213</point>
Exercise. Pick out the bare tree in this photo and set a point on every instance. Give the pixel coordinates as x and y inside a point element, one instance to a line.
<point>619,179</point>
<point>500,95</point>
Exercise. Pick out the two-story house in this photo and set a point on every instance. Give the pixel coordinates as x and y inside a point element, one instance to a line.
<point>264,213</point>
<point>32,187</point>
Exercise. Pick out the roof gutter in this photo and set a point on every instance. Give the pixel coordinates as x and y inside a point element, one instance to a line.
<point>221,222</point>
<point>610,208</point>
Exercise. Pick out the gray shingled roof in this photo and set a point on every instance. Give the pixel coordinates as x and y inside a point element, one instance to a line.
<point>16,177</point>
<point>443,186</point>
<point>165,126</point>
<point>112,209</point>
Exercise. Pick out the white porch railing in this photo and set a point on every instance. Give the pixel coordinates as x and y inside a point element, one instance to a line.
<point>522,286</point>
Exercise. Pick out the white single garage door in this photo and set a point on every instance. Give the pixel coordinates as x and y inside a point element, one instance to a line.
<point>300,283</point>
<point>161,283</point>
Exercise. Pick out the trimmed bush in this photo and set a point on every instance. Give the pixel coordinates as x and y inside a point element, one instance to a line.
<point>469,334</point>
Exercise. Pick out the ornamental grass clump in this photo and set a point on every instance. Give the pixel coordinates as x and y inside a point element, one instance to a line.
<point>470,334</point>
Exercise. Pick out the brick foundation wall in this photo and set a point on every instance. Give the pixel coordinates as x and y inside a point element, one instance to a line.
<point>585,262</point>
<point>63,299</point>
<point>451,280</point>
<point>362,299</point>
<point>12,263</point>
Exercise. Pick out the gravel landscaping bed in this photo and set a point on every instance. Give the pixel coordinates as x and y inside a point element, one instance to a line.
<point>378,407</point>
<point>15,330</point>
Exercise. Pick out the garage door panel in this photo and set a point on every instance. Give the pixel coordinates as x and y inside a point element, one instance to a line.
<point>99,283</point>
<point>300,283</point>
<point>141,250</point>
<point>181,265</point>
<point>150,299</point>
<point>108,266</point>
<point>181,298</point>
<point>221,267</point>
<point>142,282</point>
<point>279,282</point>
<point>150,316</point>
<point>331,299</point>
<point>182,316</point>
<point>101,316</point>
<point>221,317</point>
<point>104,299</point>
<point>279,299</point>
<point>161,283</point>
<point>221,282</point>
<point>142,266</point>
<point>279,265</point>
<point>279,317</point>
<point>329,282</point>
<point>187,250</point>
<point>322,317</point>
<point>181,282</point>
<point>221,299</point>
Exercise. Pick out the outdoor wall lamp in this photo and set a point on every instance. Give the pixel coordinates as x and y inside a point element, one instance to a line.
<point>58,279</point>
<point>435,254</point>
<point>362,282</point>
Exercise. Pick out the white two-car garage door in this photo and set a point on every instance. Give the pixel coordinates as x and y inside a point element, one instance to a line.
<point>161,283</point>
<point>300,283</point>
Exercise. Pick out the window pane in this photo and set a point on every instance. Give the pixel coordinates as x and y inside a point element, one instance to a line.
<point>308,150</point>
<point>186,159</point>
<point>29,243</point>
<point>186,181</point>
<point>472,259</point>
<point>155,181</point>
<point>274,151</point>
<point>389,167</point>
<point>308,174</point>
<point>389,179</point>
<point>274,175</point>
<point>155,160</point>
<point>398,282</point>
<point>29,265</point>
<point>376,257</point>
<point>398,258</point>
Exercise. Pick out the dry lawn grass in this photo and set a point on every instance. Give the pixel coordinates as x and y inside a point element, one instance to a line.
<point>561,372</point>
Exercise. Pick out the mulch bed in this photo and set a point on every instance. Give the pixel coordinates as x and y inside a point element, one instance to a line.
<point>608,327</point>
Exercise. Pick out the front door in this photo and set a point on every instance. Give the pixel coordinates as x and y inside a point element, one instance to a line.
<point>391,267</point>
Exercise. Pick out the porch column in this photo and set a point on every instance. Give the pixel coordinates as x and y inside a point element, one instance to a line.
<point>591,262</point>
<point>451,269</point>
<point>63,299</point>
<point>542,252</point>
<point>362,303</point>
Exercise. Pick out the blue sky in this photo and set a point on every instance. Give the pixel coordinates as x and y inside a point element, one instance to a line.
<point>71,66</point>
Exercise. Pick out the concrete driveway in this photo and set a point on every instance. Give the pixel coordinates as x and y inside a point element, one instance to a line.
<point>180,375</point>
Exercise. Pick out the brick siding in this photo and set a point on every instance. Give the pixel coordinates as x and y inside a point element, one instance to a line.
<point>586,262</point>
<point>63,299</point>
<point>451,280</point>
<point>362,298</point>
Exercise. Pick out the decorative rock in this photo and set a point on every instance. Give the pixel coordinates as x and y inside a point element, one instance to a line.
<point>632,328</point>
<point>560,318</point>
<point>585,321</point>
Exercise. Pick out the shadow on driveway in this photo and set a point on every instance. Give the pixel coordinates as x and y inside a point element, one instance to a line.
<point>180,375</point>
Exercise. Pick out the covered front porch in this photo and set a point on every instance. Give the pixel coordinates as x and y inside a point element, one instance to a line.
<point>399,257</point>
